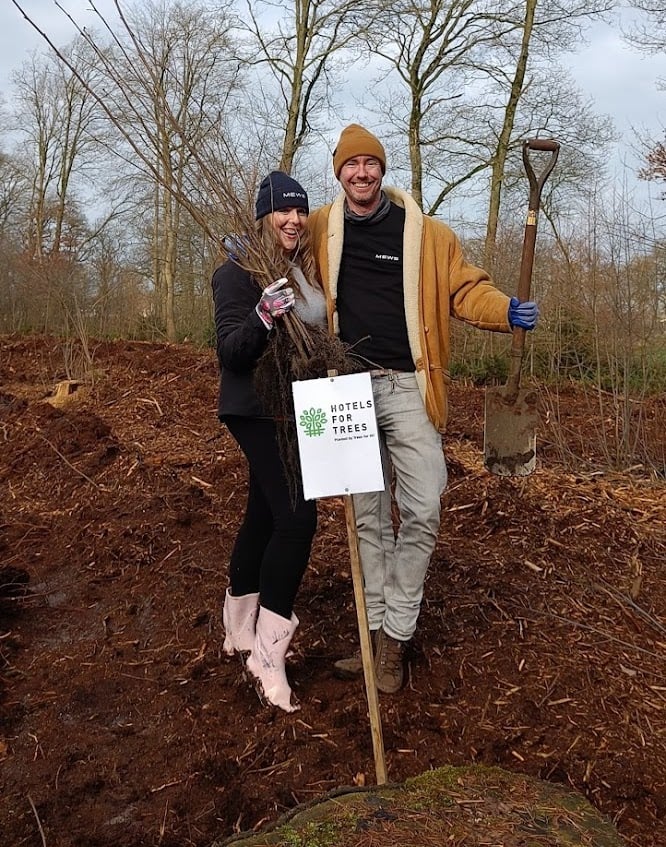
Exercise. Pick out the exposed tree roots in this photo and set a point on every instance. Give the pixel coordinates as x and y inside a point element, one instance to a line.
<point>290,357</point>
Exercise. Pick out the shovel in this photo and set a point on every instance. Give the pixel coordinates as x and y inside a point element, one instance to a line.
<point>511,413</point>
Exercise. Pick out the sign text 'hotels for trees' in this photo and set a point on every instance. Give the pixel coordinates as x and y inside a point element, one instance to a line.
<point>337,436</point>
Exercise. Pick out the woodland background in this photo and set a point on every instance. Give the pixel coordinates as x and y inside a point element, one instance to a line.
<point>128,155</point>
<point>126,158</point>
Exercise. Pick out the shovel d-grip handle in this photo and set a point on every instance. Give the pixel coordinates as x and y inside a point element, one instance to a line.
<point>547,145</point>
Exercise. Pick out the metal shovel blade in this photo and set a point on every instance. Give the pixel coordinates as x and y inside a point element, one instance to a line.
<point>510,432</point>
<point>511,412</point>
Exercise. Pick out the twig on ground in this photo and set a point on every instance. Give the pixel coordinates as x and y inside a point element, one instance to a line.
<point>67,462</point>
<point>39,823</point>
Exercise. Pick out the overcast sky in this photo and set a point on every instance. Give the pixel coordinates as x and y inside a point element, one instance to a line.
<point>621,82</point>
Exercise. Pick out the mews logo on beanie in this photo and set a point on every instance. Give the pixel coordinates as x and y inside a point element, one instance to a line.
<point>280,191</point>
<point>356,140</point>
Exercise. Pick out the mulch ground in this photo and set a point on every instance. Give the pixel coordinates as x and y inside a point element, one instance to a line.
<point>541,646</point>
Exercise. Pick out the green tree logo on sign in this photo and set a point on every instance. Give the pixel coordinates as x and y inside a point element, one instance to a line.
<point>313,421</point>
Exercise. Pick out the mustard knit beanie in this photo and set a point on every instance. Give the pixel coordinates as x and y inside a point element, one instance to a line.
<point>355,140</point>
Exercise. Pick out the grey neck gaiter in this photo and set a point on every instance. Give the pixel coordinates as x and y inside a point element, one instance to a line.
<point>380,212</point>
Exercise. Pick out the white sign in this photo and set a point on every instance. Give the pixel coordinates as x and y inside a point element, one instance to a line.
<point>338,442</point>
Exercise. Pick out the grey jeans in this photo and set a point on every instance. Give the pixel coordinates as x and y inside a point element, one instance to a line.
<point>395,565</point>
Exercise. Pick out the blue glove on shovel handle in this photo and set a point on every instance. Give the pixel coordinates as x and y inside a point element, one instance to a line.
<point>276,300</point>
<point>524,314</point>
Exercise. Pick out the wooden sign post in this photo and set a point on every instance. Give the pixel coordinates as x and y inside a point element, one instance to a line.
<point>367,656</point>
<point>339,452</point>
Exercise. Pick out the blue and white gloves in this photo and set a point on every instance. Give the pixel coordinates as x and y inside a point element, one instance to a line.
<point>275,301</point>
<point>524,315</point>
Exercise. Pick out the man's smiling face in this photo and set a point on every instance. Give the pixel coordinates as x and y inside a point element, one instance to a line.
<point>361,180</point>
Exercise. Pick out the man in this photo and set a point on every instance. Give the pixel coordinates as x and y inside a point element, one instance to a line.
<point>393,279</point>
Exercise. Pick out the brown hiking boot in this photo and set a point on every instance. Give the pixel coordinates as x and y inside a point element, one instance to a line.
<point>353,666</point>
<point>390,663</point>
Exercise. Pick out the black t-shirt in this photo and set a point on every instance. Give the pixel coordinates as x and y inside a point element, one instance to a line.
<point>370,301</point>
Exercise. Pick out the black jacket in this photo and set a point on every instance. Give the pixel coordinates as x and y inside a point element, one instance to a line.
<point>241,339</point>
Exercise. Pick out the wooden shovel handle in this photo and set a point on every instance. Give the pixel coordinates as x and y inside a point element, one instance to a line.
<point>529,241</point>
<point>537,182</point>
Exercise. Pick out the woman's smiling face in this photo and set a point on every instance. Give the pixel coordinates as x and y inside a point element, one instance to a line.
<point>288,224</point>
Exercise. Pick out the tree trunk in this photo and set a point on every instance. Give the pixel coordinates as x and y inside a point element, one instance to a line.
<point>415,157</point>
<point>501,152</point>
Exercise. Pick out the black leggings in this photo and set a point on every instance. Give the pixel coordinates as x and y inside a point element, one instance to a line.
<point>273,544</point>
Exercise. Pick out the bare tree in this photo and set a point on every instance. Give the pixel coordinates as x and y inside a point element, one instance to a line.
<point>168,64</point>
<point>300,50</point>
<point>120,300</point>
<point>434,48</point>
<point>506,132</point>
<point>165,83</point>
<point>216,184</point>
<point>550,105</point>
<point>648,33</point>
<point>464,67</point>
<point>55,123</point>
<point>13,188</point>
<point>12,184</point>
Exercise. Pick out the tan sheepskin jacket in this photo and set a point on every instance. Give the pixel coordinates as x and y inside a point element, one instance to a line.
<point>438,285</point>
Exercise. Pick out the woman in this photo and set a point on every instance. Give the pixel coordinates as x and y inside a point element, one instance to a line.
<point>272,547</point>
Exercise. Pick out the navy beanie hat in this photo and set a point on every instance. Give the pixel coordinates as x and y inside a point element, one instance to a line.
<point>279,191</point>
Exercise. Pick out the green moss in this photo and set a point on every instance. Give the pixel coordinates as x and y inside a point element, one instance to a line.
<point>448,803</point>
<point>317,834</point>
